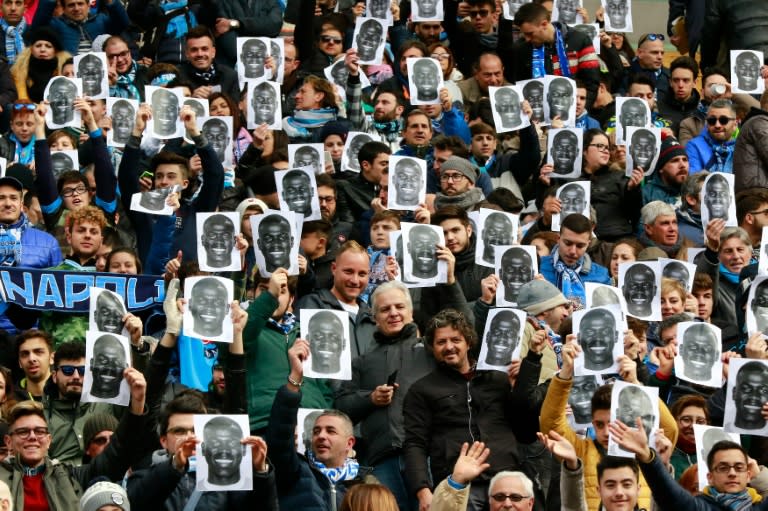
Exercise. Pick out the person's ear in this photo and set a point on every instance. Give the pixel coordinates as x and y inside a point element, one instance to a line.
<point>184,184</point>
<point>648,230</point>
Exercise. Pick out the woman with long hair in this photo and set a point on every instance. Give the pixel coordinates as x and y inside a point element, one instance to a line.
<point>43,59</point>
<point>221,105</point>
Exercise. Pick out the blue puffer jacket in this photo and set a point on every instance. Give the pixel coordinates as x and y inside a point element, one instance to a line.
<point>299,484</point>
<point>113,21</point>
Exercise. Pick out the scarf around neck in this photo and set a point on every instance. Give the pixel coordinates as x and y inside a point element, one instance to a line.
<point>14,42</point>
<point>343,473</point>
<point>464,200</point>
<point>740,501</point>
<point>568,280</point>
<point>10,241</point>
<point>125,88</point>
<point>303,121</point>
<point>539,57</point>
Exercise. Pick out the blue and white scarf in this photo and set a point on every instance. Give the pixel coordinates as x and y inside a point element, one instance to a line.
<point>569,282</point>
<point>125,88</point>
<point>555,341</point>
<point>25,153</point>
<point>301,124</point>
<point>14,41</point>
<point>285,324</point>
<point>539,57</point>
<point>178,26</point>
<point>10,241</point>
<point>343,473</point>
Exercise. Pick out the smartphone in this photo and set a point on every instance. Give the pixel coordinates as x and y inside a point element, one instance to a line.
<point>392,378</point>
<point>148,174</point>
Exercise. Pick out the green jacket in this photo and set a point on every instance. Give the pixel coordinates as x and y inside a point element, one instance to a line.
<point>266,351</point>
<point>62,326</point>
<point>66,419</point>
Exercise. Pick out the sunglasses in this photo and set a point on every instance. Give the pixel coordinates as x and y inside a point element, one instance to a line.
<point>70,370</point>
<point>24,106</point>
<point>482,12</point>
<point>328,39</point>
<point>651,37</point>
<point>723,120</point>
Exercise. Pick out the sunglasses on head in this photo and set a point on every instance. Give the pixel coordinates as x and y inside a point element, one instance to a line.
<point>651,37</point>
<point>723,120</point>
<point>24,106</point>
<point>70,370</point>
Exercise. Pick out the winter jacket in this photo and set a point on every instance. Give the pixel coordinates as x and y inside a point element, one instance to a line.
<point>354,197</point>
<point>66,419</point>
<point>468,273</point>
<point>258,18</point>
<point>444,409</point>
<point>617,207</point>
<point>659,77</point>
<point>382,427</point>
<point>300,484</point>
<point>701,154</point>
<point>655,188</point>
<point>266,350</point>
<point>689,226</point>
<point>590,271</point>
<point>590,452</point>
<point>724,294</point>
<point>163,488</point>
<point>112,21</point>
<point>225,77</point>
<point>750,159</point>
<point>739,24</point>
<point>428,301</point>
<point>65,483</point>
<point>675,111</point>
<point>365,123</point>
<point>448,498</point>
<point>362,328</point>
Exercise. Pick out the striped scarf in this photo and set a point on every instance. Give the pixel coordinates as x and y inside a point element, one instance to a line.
<point>14,42</point>
<point>740,501</point>
<point>304,121</point>
<point>10,241</point>
<point>25,153</point>
<point>343,473</point>
<point>124,88</point>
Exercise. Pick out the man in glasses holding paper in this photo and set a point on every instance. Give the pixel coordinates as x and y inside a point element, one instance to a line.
<point>713,149</point>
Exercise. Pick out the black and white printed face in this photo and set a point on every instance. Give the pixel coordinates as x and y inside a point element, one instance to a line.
<point>107,366</point>
<point>222,450</point>
<point>508,107</point>
<point>760,307</point>
<point>643,149</point>
<point>354,148</point>
<point>275,242</point>
<point>253,56</point>
<point>264,104</point>
<point>215,131</point>
<point>297,193</point>
<point>196,107</point>
<point>208,304</point>
<point>560,98</point>
<point>123,117</point>
<point>326,342</point>
<point>426,77</point>
<point>572,200</point>
<point>109,314</point>
<point>750,394</point>
<point>91,70</point>
<point>516,270</point>
<point>165,111</point>
<point>153,200</point>
<point>617,13</point>
<point>427,8</point>
<point>567,11</point>
<point>61,163</point>
<point>639,290</point>
<point>565,150</point>
<point>497,231</point>
<point>747,71</point>
<point>218,239</point>
<point>678,272</point>
<point>633,114</point>
<point>717,198</point>
<point>597,336</point>
<point>422,245</point>
<point>533,92</point>
<point>502,338</point>
<point>699,352</point>
<point>379,8</point>
<point>61,97</point>
<point>368,40</point>
<point>408,180</point>
<point>634,403</point>
<point>580,398</point>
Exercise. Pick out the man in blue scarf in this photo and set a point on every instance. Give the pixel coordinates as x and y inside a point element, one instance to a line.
<point>713,149</point>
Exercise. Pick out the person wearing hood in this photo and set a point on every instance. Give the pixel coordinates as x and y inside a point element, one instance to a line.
<point>682,98</point>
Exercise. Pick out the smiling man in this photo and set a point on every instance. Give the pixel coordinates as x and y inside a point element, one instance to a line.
<point>326,342</point>
<point>713,148</point>
<point>200,52</point>
<point>217,241</point>
<point>209,305</point>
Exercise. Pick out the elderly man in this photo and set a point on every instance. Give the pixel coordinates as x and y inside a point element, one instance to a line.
<point>380,381</point>
<point>671,171</point>
<point>660,227</point>
<point>436,428</point>
<point>489,73</point>
<point>713,149</point>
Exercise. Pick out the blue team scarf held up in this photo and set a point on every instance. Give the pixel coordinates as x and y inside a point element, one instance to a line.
<point>539,68</point>
<point>555,341</point>
<point>285,324</point>
<point>568,281</point>
<point>25,153</point>
<point>14,42</point>
<point>343,473</point>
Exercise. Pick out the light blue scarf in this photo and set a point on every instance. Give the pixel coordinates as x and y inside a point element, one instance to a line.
<point>569,282</point>
<point>343,473</point>
<point>14,41</point>
<point>303,121</point>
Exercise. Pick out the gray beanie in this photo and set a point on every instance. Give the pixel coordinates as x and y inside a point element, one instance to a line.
<point>539,296</point>
<point>102,494</point>
<point>461,165</point>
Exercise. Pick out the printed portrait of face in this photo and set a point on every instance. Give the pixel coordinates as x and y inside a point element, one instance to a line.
<point>634,403</point>
<point>107,366</point>
<point>378,8</point>
<point>533,92</point>
<point>368,40</point>
<point>354,147</point>
<point>308,157</point>
<point>326,342</point>
<point>123,117</point>
<point>502,338</point>
<point>677,271</point>
<point>747,71</point>
<point>639,290</point>
<point>408,181</point>
<point>61,97</point>
<point>91,70</point>
<point>298,192</point>
<point>617,13</point>
<point>508,107</point>
<point>514,5</point>
<point>222,450</point>
<point>109,314</point>
<point>154,200</point>
<point>560,98</point>
<point>565,150</point>
<point>422,245</point>
<point>710,438</point>
<point>643,149</point>
<point>275,242</point>
<point>426,77</point>
<point>309,425</point>
<point>61,163</point>
<point>209,306</point>
<point>215,131</point>
<point>580,398</point>
<point>277,55</point>
<point>633,114</point>
<point>497,230</point>
<point>572,200</point>
<point>516,270</point>
<point>253,56</point>
<point>717,197</point>
<point>760,306</point>
<point>427,8</point>
<point>218,239</point>
<point>699,352</point>
<point>264,103</point>
<point>165,111</point>
<point>750,394</point>
<point>604,296</point>
<point>339,73</point>
<point>597,336</point>
<point>567,11</point>
<point>196,107</point>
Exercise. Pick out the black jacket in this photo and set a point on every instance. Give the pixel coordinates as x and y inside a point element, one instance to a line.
<point>258,18</point>
<point>444,409</point>
<point>225,77</point>
<point>739,23</point>
<point>354,198</point>
<point>675,111</point>
<point>468,273</point>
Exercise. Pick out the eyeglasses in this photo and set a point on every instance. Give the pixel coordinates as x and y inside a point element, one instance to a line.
<point>600,147</point>
<point>328,39</point>
<point>687,420</point>
<point>723,120</point>
<point>24,433</point>
<point>70,370</point>
<point>761,212</point>
<point>180,430</point>
<point>440,56</point>
<point>651,37</point>
<point>514,497</point>
<point>482,12</point>
<point>452,177</point>
<point>24,106</point>
<point>69,192</point>
<point>100,440</point>
<point>120,55</point>
<point>725,468</point>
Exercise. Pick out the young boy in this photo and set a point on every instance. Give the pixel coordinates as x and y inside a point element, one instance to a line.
<point>382,223</point>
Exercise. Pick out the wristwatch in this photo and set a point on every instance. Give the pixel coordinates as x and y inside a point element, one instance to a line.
<point>234,24</point>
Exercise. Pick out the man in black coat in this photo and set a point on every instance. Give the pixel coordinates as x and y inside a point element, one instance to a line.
<point>205,76</point>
